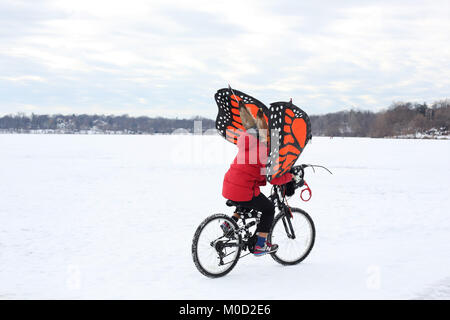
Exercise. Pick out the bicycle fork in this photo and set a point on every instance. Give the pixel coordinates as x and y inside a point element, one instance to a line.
<point>288,225</point>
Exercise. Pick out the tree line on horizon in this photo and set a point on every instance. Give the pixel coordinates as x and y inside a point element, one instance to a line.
<point>400,119</point>
<point>84,123</point>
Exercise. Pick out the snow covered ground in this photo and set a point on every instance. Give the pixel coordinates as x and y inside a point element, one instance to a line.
<point>98,216</point>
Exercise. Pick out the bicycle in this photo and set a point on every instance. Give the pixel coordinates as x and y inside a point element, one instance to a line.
<point>215,254</point>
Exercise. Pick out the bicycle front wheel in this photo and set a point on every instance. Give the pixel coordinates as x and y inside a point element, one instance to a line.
<point>295,237</point>
<point>214,253</point>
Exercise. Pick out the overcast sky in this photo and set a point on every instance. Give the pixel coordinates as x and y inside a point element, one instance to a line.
<point>151,57</point>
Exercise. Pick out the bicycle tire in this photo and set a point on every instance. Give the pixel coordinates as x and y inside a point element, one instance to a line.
<point>195,241</point>
<point>278,219</point>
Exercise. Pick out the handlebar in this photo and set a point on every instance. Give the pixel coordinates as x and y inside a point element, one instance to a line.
<point>299,171</point>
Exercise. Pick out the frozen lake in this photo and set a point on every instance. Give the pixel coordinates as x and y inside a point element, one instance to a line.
<point>98,217</point>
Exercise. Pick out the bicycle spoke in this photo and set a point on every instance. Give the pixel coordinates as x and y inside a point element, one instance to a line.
<point>212,255</point>
<point>292,250</point>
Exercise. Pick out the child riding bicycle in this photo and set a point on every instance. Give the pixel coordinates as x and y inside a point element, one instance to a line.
<point>247,173</point>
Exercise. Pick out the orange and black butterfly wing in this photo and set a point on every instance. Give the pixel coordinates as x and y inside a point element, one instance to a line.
<point>228,121</point>
<point>290,130</point>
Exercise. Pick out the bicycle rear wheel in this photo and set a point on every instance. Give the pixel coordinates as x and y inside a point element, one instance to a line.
<point>292,250</point>
<point>215,254</point>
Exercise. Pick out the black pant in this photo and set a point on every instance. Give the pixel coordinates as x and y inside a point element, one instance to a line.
<point>263,204</point>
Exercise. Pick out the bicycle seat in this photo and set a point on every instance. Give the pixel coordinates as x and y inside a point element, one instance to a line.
<point>231,203</point>
<point>240,209</point>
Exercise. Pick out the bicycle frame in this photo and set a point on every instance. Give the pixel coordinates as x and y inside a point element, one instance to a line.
<point>278,200</point>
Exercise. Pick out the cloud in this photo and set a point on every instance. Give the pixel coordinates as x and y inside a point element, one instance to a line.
<point>24,78</point>
<point>114,55</point>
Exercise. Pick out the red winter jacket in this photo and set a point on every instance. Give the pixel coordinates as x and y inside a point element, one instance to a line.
<point>247,172</point>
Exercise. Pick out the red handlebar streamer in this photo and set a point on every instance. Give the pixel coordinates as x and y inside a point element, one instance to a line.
<point>309,192</point>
